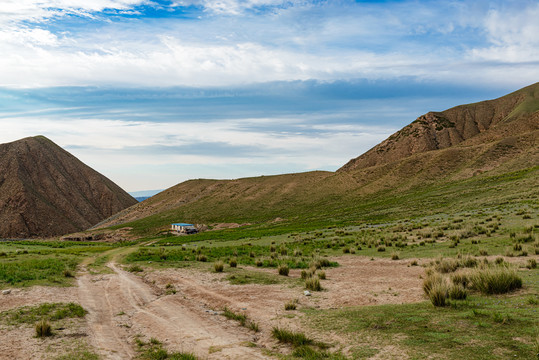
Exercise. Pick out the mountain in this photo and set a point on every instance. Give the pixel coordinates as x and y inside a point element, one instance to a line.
<point>467,125</point>
<point>45,191</point>
<point>477,153</point>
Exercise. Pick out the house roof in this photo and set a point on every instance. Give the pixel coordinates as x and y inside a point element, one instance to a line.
<point>182,224</point>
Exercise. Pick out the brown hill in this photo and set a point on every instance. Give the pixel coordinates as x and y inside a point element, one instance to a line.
<point>491,138</point>
<point>471,124</point>
<point>46,191</point>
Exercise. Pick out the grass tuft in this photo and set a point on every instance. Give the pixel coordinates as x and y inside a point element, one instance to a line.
<point>313,284</point>
<point>43,328</point>
<point>292,338</point>
<point>499,280</point>
<point>219,266</point>
<point>283,270</point>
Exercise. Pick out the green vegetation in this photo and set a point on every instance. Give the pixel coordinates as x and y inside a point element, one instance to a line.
<point>43,328</point>
<point>154,350</point>
<point>51,311</point>
<point>32,271</point>
<point>241,318</point>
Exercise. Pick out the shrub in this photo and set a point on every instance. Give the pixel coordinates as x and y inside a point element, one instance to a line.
<point>43,328</point>
<point>313,284</point>
<point>499,280</point>
<point>219,266</point>
<point>283,269</point>
<point>233,262</point>
<point>438,294</point>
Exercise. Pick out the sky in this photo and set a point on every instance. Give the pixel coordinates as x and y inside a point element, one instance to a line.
<point>153,93</point>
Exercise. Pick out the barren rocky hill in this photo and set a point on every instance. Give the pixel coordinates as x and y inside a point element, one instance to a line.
<point>492,137</point>
<point>46,191</point>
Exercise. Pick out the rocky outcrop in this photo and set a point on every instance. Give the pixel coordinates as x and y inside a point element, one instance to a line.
<point>471,124</point>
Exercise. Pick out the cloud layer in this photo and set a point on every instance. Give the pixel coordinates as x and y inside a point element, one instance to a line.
<point>153,92</point>
<point>230,42</point>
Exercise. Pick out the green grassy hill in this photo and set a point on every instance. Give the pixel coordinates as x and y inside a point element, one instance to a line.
<point>486,154</point>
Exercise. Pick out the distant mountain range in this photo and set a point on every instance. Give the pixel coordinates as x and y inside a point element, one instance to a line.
<point>489,138</point>
<point>45,191</point>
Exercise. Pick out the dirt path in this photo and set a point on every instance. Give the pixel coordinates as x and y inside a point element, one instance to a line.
<point>121,305</point>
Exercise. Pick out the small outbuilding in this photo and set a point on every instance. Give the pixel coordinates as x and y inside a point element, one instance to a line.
<point>183,228</point>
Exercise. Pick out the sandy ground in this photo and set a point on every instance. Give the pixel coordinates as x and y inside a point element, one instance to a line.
<point>123,306</point>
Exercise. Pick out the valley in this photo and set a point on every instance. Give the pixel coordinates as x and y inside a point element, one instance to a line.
<point>424,247</point>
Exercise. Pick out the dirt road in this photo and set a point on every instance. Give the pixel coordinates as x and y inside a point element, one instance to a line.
<point>122,306</point>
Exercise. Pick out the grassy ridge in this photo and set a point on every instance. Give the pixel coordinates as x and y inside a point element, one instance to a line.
<point>348,208</point>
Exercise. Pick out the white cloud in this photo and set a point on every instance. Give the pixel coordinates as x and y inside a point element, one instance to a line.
<point>512,34</point>
<point>104,143</point>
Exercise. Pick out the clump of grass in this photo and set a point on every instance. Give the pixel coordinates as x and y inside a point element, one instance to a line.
<point>219,266</point>
<point>532,264</point>
<point>394,256</point>
<point>202,258</point>
<point>313,284</point>
<point>498,280</point>
<point>322,275</point>
<point>381,248</point>
<point>135,269</point>
<point>170,289</point>
<point>430,281</point>
<point>457,292</point>
<point>291,305</point>
<point>414,263</point>
<point>233,262</point>
<point>229,314</point>
<point>446,265</point>
<point>68,273</point>
<point>460,278</point>
<point>43,328</point>
<point>292,338</point>
<point>283,270</point>
<point>438,294</point>
<point>241,318</point>
<point>259,263</point>
<point>253,326</point>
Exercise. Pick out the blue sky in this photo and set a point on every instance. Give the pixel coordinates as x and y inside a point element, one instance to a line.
<point>152,93</point>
